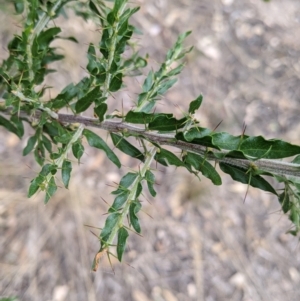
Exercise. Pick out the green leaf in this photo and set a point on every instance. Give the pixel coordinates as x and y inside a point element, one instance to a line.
<point>240,175</point>
<point>257,147</point>
<point>94,8</point>
<point>149,176</point>
<point>139,190</point>
<point>164,123</point>
<point>199,163</point>
<point>110,222</point>
<point>111,18</point>
<point>19,6</point>
<point>66,172</point>
<point>134,208</point>
<point>83,103</point>
<point>127,14</point>
<point>295,217</point>
<point>227,141</point>
<point>118,5</point>
<point>196,133</point>
<point>77,149</point>
<point>123,28</point>
<point>64,138</point>
<point>142,118</point>
<point>116,82</point>
<point>92,65</point>
<point>51,189</point>
<point>9,126</point>
<point>148,82</point>
<point>284,200</point>
<point>47,143</point>
<point>95,141</point>
<point>100,111</point>
<point>104,40</point>
<point>35,185</point>
<point>123,145</point>
<point>125,182</point>
<point>172,159</point>
<point>195,104</point>
<point>165,86</point>
<point>122,237</point>
<point>204,141</point>
<point>119,201</point>
<point>296,160</point>
<point>39,154</point>
<point>175,52</point>
<point>30,145</point>
<point>46,169</point>
<point>175,71</point>
<point>17,122</point>
<point>47,36</point>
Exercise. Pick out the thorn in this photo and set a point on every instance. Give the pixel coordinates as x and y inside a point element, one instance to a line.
<point>130,265</point>
<point>94,234</point>
<point>92,227</point>
<point>244,129</point>
<point>147,214</point>
<point>217,125</point>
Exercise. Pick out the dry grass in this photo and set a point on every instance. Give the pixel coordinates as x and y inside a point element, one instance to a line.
<point>203,243</point>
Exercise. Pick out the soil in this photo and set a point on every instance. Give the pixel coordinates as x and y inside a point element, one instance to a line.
<point>199,242</point>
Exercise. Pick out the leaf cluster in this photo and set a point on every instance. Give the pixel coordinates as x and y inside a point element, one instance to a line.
<point>59,138</point>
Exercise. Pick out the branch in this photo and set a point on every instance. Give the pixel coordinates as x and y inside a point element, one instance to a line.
<point>272,166</point>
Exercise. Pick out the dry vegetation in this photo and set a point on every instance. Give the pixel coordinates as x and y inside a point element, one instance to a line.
<point>203,242</point>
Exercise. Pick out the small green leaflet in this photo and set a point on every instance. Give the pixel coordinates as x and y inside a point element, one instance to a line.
<point>94,8</point>
<point>148,82</point>
<point>46,169</point>
<point>47,143</point>
<point>295,216</point>
<point>35,185</point>
<point>196,133</point>
<point>123,145</point>
<point>83,103</point>
<point>134,208</point>
<point>165,86</point>
<point>227,141</point>
<point>162,155</point>
<point>143,118</point>
<point>100,111</point>
<point>125,182</point>
<point>17,122</point>
<point>47,36</point>
<point>9,126</point>
<point>66,172</point>
<point>50,190</point>
<point>122,237</point>
<point>77,149</point>
<point>116,82</point>
<point>110,222</point>
<point>95,141</point>
<point>30,145</point>
<point>119,201</point>
<point>149,176</point>
<point>241,175</point>
<point>118,5</point>
<point>284,200</point>
<point>199,163</point>
<point>164,123</point>
<point>259,147</point>
<point>195,104</point>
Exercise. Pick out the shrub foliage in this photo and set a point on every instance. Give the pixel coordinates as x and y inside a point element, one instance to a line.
<point>58,138</point>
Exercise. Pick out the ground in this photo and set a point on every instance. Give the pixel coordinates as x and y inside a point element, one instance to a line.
<point>201,242</point>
